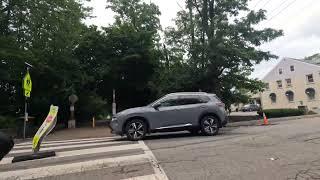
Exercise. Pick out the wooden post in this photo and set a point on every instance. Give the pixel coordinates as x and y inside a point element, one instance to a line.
<point>93,122</point>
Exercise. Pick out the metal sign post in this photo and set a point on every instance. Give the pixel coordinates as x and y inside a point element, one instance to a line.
<point>72,122</point>
<point>114,105</point>
<point>27,87</point>
<point>25,118</point>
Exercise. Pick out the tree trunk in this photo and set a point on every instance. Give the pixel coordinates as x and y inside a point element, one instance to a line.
<point>211,16</point>
<point>166,56</point>
<point>205,29</point>
<point>191,29</point>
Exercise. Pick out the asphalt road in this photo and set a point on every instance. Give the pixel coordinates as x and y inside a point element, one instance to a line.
<point>286,150</point>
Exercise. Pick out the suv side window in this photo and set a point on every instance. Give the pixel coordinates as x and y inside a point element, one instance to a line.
<point>188,100</point>
<point>204,99</point>
<point>167,102</point>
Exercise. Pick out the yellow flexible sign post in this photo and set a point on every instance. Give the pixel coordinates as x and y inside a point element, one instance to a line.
<point>45,128</point>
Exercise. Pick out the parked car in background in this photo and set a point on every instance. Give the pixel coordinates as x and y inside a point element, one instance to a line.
<point>250,107</point>
<point>192,111</point>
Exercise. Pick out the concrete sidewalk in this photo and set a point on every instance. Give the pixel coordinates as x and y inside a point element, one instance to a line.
<point>76,133</point>
<point>79,133</point>
<point>271,120</point>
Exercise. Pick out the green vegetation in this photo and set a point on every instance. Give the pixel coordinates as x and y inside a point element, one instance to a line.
<point>274,113</point>
<point>211,49</point>
<point>7,122</point>
<point>314,59</point>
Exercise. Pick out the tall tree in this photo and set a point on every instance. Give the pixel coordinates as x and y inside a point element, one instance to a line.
<point>133,39</point>
<point>45,34</point>
<point>224,45</point>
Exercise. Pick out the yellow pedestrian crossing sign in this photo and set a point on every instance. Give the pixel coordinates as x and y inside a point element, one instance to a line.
<point>27,85</point>
<point>26,93</point>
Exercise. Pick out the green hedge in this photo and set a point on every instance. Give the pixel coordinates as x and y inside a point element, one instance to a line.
<point>7,122</point>
<point>273,113</point>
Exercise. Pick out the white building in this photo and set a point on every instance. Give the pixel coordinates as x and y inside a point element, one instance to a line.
<point>292,83</point>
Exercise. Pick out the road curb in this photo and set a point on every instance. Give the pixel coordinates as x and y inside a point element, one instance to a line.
<point>255,122</point>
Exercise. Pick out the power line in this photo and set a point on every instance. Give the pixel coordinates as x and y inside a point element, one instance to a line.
<point>278,6</point>
<point>266,3</point>
<point>282,10</point>
<point>301,10</point>
<point>257,4</point>
<point>179,5</point>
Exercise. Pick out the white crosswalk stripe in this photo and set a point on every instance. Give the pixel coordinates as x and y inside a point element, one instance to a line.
<point>81,156</point>
<point>67,142</point>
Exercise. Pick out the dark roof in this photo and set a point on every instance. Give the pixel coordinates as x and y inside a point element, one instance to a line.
<point>314,59</point>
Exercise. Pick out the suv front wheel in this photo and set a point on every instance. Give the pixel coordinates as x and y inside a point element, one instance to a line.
<point>136,130</point>
<point>209,125</point>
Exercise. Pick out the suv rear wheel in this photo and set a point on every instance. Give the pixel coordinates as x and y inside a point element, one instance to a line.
<point>136,130</point>
<point>209,125</point>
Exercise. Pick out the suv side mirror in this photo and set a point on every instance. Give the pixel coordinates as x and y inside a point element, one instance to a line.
<point>156,106</point>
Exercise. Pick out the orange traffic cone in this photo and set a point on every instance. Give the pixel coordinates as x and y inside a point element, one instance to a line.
<point>265,120</point>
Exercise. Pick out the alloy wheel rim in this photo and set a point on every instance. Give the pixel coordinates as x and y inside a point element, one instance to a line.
<point>136,130</point>
<point>210,125</point>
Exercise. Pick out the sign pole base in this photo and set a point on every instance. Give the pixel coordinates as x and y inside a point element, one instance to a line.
<point>33,156</point>
<point>72,124</point>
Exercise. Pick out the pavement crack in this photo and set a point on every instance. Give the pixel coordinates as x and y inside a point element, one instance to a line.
<point>177,161</point>
<point>311,139</point>
<point>207,156</point>
<point>314,163</point>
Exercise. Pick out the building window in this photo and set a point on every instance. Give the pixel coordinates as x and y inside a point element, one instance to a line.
<point>310,93</point>
<point>291,68</point>
<point>279,83</point>
<point>273,97</point>
<point>267,86</point>
<point>290,96</point>
<point>288,82</point>
<point>309,78</point>
<point>280,71</point>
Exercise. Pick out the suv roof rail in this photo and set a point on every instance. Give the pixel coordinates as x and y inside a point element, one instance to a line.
<point>177,93</point>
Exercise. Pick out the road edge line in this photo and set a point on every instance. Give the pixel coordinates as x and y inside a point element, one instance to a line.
<point>158,170</point>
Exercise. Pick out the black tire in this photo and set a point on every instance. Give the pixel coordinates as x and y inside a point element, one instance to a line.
<point>136,129</point>
<point>209,125</point>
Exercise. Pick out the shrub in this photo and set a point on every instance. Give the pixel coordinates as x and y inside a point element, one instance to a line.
<point>273,113</point>
<point>7,122</point>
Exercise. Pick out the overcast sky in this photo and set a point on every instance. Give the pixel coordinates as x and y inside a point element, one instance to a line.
<point>299,19</point>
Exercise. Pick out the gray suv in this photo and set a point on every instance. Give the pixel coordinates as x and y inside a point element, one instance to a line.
<point>192,111</point>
